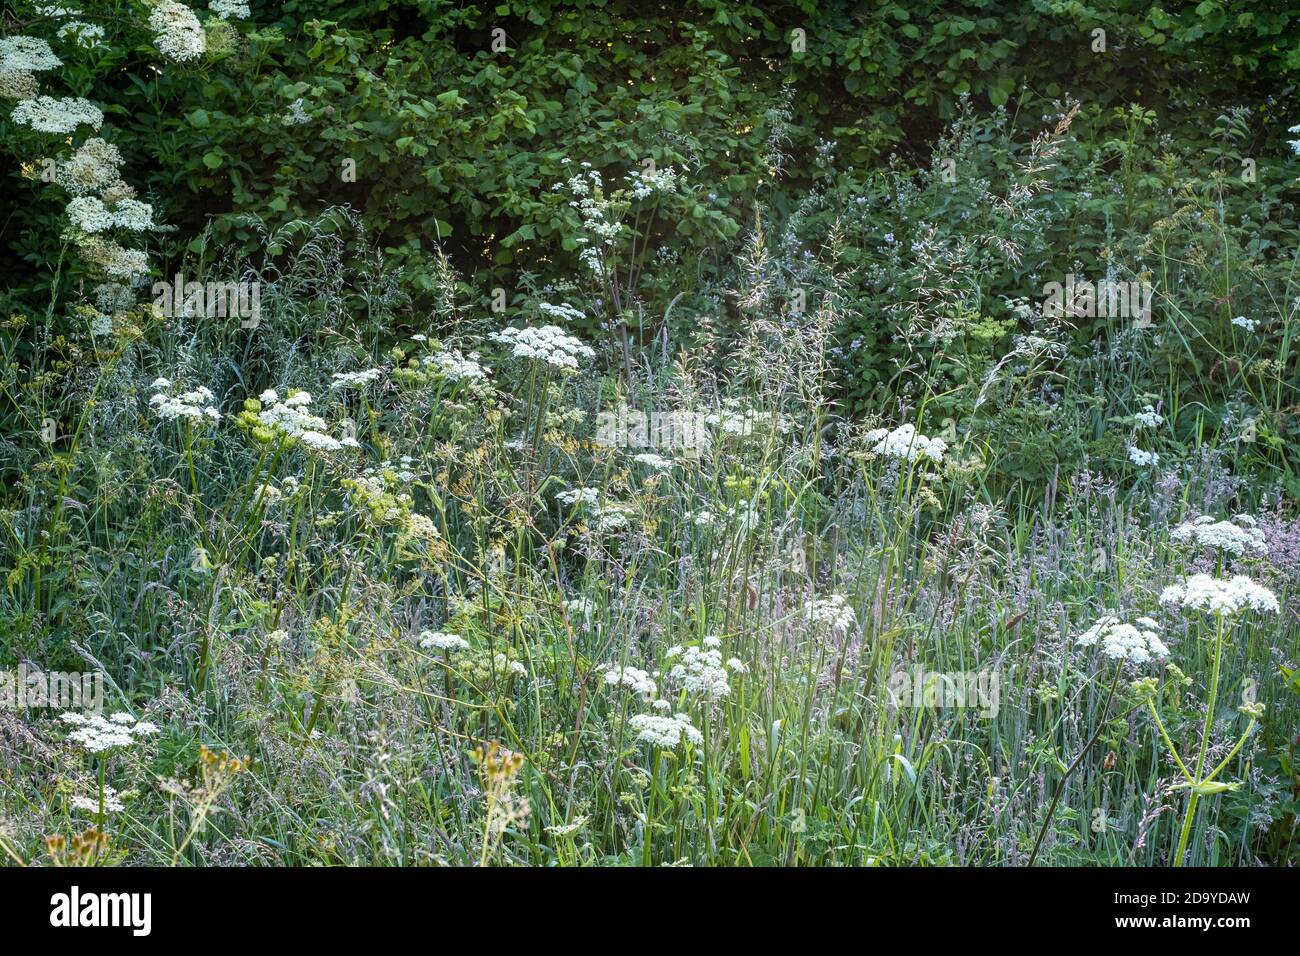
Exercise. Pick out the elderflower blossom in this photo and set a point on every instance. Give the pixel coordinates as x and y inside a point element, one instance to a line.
<point>633,678</point>
<point>97,735</point>
<point>48,114</point>
<point>1227,597</point>
<point>116,261</point>
<point>1236,538</point>
<point>439,640</point>
<point>230,9</point>
<point>20,54</point>
<point>1137,642</point>
<point>905,442</point>
<point>178,34</point>
<point>82,33</point>
<point>195,404</point>
<point>666,732</point>
<point>831,612</point>
<point>89,214</point>
<point>545,343</point>
<point>18,85</point>
<point>92,167</point>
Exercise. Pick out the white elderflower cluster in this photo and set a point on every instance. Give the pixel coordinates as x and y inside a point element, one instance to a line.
<point>116,261</point>
<point>1138,642</point>
<point>442,641</point>
<point>93,167</point>
<point>1238,537</point>
<point>633,678</point>
<point>562,312</point>
<point>1227,597</point>
<point>20,54</point>
<point>194,405</point>
<point>17,85</point>
<point>905,442</point>
<point>647,182</point>
<point>700,669</point>
<point>99,735</point>
<point>49,114</point>
<point>545,343</point>
<point>89,214</point>
<point>666,732</point>
<point>1148,418</point>
<point>81,33</point>
<point>454,367</point>
<point>1142,458</point>
<point>831,612</point>
<point>355,379</point>
<point>293,419</point>
<point>230,9</point>
<point>178,34</point>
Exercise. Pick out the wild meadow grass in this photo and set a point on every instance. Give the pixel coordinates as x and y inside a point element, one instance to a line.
<point>401,608</point>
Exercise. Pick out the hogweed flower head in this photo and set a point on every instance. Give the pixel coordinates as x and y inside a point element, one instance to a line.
<point>548,344</point>
<point>1137,643</point>
<point>1238,537</point>
<point>905,442</point>
<point>1226,597</point>
<point>666,732</point>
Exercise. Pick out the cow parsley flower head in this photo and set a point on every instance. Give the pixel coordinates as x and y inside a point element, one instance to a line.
<point>1142,458</point>
<point>454,367</point>
<point>1237,537</point>
<point>1223,596</point>
<point>905,442</point>
<point>700,670</point>
<point>292,419</point>
<point>831,612</point>
<point>666,732</point>
<point>97,735</point>
<point>633,678</point>
<point>48,114</point>
<point>545,343</point>
<point>563,312</point>
<point>648,182</point>
<point>439,640</point>
<point>355,379</point>
<point>178,34</point>
<point>1148,418</point>
<point>112,802</point>
<point>1138,642</point>
<point>194,405</point>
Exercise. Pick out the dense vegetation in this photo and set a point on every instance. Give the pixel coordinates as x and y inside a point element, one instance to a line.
<point>379,542</point>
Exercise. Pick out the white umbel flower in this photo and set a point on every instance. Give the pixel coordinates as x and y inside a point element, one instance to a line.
<point>906,443</point>
<point>192,405</point>
<point>1224,596</point>
<point>355,379</point>
<point>20,54</point>
<point>1237,538</point>
<point>831,612</point>
<point>439,640</point>
<point>633,678</point>
<point>1138,642</point>
<point>545,343</point>
<point>98,735</point>
<point>666,732</point>
<point>230,9</point>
